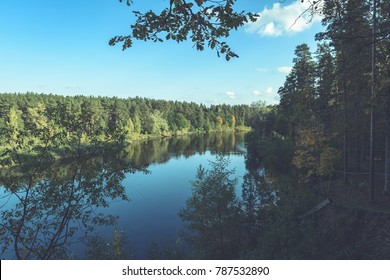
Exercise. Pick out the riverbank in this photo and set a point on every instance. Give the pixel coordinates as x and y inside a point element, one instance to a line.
<point>130,150</point>
<point>143,137</point>
<point>351,227</point>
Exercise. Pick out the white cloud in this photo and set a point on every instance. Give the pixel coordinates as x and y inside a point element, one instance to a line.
<point>231,94</point>
<point>270,30</point>
<point>280,20</point>
<point>284,69</point>
<point>269,91</point>
<point>268,95</point>
<point>256,92</point>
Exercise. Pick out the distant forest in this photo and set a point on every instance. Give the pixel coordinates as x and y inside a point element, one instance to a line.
<point>40,119</point>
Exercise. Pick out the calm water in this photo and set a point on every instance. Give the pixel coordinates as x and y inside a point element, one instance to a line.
<point>53,211</point>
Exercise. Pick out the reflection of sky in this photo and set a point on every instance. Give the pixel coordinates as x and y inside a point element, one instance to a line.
<point>7,202</point>
<point>156,199</point>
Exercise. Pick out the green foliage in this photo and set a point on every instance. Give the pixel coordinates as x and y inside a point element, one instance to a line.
<point>137,125</point>
<point>325,102</point>
<point>297,96</point>
<point>54,202</point>
<point>212,212</point>
<point>314,156</point>
<point>328,159</point>
<point>14,125</point>
<point>274,152</point>
<point>285,237</point>
<point>100,248</point>
<point>158,125</point>
<point>219,122</point>
<point>31,121</point>
<point>180,123</point>
<point>233,122</point>
<point>326,85</point>
<point>203,22</point>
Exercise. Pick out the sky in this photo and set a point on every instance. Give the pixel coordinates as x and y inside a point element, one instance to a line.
<point>61,47</point>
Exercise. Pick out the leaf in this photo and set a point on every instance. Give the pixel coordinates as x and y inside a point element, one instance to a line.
<point>212,45</point>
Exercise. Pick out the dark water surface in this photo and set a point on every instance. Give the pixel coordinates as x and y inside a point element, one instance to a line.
<point>128,199</point>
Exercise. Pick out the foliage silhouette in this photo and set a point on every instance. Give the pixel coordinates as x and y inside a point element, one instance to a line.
<point>53,205</point>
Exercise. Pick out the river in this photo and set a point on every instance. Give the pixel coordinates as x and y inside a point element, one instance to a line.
<point>127,200</point>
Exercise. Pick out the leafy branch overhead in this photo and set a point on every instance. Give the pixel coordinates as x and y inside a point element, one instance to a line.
<point>205,22</point>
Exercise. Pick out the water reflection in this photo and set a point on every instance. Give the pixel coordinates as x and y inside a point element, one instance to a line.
<point>161,150</point>
<point>224,224</point>
<point>47,205</point>
<point>212,212</point>
<point>221,224</point>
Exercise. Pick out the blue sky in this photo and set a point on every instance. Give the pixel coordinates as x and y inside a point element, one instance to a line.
<point>61,47</point>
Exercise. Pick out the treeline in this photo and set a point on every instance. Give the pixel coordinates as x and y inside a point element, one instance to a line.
<point>334,95</point>
<point>36,118</point>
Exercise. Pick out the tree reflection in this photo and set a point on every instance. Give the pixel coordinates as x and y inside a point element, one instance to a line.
<point>212,212</point>
<point>162,149</point>
<point>222,225</point>
<point>115,248</point>
<point>257,196</point>
<point>49,204</point>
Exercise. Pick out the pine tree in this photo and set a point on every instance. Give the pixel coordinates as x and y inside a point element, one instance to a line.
<point>297,96</point>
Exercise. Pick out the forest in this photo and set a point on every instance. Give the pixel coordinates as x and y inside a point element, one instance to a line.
<point>327,140</point>
<point>57,123</point>
<point>335,103</point>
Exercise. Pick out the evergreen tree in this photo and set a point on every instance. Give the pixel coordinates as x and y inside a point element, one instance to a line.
<point>297,96</point>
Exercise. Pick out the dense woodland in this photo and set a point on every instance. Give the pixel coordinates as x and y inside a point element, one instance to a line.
<point>332,125</point>
<point>58,123</point>
<point>335,94</point>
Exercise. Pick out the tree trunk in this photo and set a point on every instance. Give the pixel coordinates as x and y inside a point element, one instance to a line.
<point>345,144</point>
<point>358,134</point>
<point>372,114</point>
<point>386,189</point>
